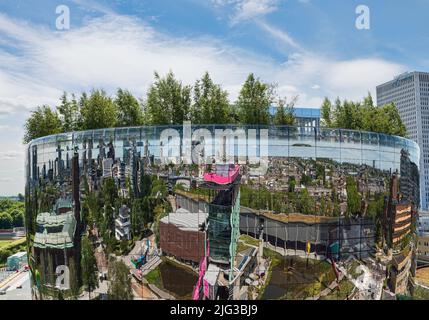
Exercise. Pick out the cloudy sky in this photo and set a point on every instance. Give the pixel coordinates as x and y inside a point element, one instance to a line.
<point>310,48</point>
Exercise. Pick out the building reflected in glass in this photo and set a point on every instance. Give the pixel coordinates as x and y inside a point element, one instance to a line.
<point>306,207</point>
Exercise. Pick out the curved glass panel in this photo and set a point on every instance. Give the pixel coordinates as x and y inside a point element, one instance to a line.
<point>297,208</point>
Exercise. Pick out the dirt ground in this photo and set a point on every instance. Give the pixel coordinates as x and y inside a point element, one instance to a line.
<point>143,292</point>
<point>423,276</point>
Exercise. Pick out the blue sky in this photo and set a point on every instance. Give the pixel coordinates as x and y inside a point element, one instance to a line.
<point>309,48</point>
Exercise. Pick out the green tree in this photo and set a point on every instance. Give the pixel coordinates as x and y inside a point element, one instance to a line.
<point>136,218</point>
<point>292,184</point>
<point>323,209</point>
<point>326,113</point>
<point>130,112</point>
<point>363,116</point>
<point>6,204</point>
<point>168,101</point>
<point>389,121</point>
<point>211,103</point>
<point>306,203</point>
<point>42,122</point>
<point>74,282</point>
<point>14,209</point>
<point>120,281</point>
<point>98,111</point>
<point>69,113</point>
<point>285,112</point>
<point>305,180</point>
<point>17,217</point>
<point>109,196</point>
<point>88,265</point>
<point>109,191</point>
<point>353,197</point>
<point>6,221</point>
<point>254,101</point>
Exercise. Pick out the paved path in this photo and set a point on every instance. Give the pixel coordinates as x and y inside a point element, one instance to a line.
<point>152,264</point>
<point>9,279</point>
<point>13,293</point>
<point>142,291</point>
<point>161,293</point>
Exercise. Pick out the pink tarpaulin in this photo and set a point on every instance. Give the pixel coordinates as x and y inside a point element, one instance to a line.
<point>226,175</point>
<point>206,288</point>
<point>202,272</point>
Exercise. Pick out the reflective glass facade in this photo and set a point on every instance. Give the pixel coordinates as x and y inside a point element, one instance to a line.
<point>310,203</point>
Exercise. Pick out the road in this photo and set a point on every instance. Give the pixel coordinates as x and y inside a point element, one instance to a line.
<point>12,293</point>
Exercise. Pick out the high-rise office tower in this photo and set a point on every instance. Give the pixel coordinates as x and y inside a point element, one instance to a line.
<point>410,93</point>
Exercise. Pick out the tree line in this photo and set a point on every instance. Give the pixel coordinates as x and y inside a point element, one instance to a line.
<point>11,214</point>
<point>362,115</point>
<point>168,101</point>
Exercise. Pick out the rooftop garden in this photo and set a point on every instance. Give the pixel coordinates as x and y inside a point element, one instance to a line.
<point>169,101</point>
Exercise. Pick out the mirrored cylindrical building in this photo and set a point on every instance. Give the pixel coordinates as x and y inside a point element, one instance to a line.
<point>304,210</point>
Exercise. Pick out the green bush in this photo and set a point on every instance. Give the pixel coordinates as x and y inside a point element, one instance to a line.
<point>4,253</point>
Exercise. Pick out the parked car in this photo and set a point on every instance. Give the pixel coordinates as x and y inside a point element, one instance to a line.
<point>2,292</point>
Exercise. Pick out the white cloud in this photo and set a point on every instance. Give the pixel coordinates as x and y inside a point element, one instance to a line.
<point>91,5</point>
<point>120,51</point>
<point>4,128</point>
<point>247,9</point>
<point>12,154</point>
<point>278,34</point>
<point>117,51</point>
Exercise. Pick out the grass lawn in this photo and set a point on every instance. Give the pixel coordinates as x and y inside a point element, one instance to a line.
<point>420,293</point>
<point>346,288</point>
<point>4,243</point>
<point>9,244</point>
<point>242,246</point>
<point>249,240</point>
<point>154,277</point>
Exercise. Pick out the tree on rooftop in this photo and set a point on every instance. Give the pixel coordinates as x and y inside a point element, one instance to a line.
<point>389,121</point>
<point>326,113</point>
<point>210,105</point>
<point>254,101</point>
<point>69,113</point>
<point>42,122</point>
<point>130,112</point>
<point>168,101</point>
<point>285,112</point>
<point>98,111</point>
<point>363,116</point>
